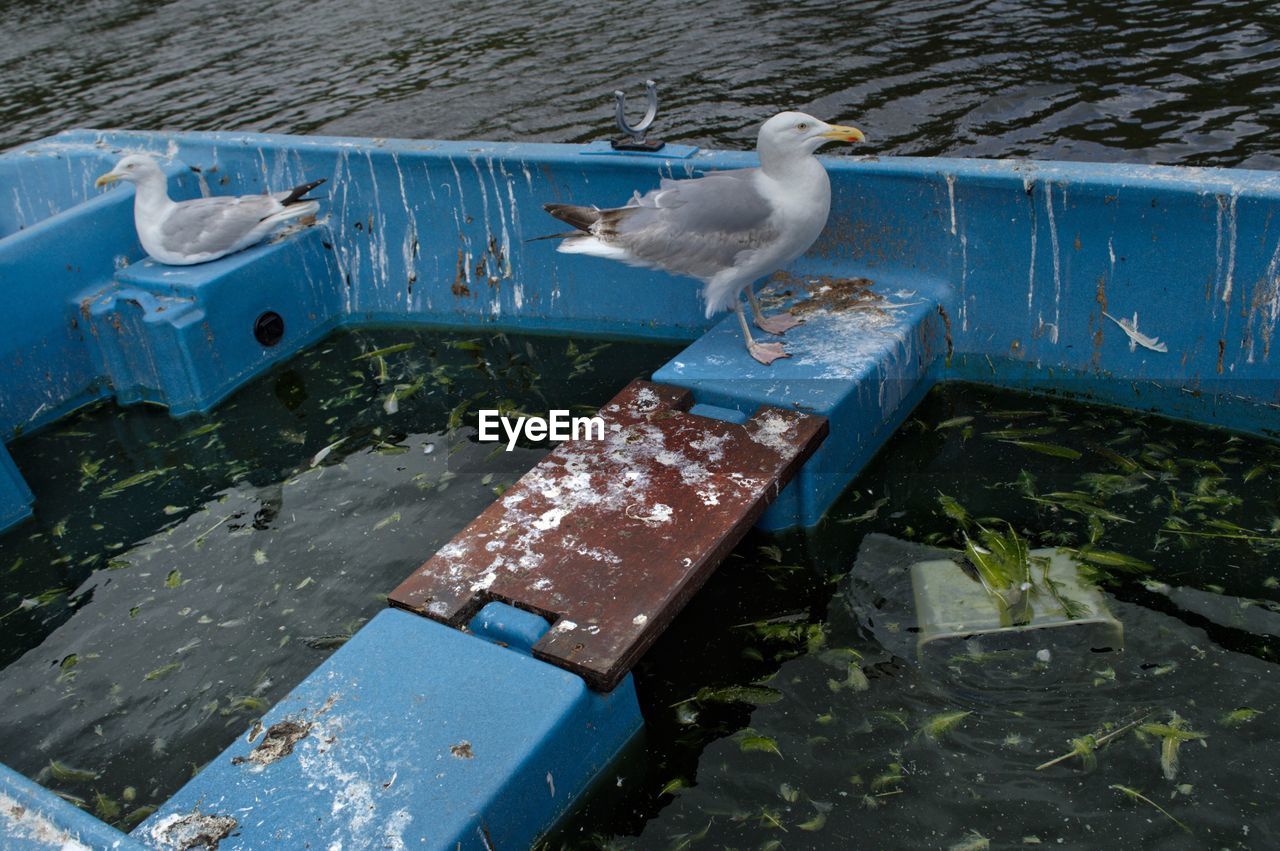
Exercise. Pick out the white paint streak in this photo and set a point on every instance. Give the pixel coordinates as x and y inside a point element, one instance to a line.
<point>951,196</point>
<point>1057,272</point>
<point>1028,186</point>
<point>1231,247</point>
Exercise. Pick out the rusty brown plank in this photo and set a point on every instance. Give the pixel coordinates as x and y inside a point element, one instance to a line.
<point>609,539</point>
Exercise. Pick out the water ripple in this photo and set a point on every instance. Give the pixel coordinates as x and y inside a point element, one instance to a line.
<point>1112,81</point>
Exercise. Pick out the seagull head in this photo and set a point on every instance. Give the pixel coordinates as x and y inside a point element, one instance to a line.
<point>793,134</point>
<point>134,168</point>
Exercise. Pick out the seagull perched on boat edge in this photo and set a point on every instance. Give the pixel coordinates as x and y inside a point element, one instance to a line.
<point>727,229</point>
<point>182,233</point>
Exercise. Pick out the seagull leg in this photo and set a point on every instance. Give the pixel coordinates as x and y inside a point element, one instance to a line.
<point>766,353</point>
<point>778,324</point>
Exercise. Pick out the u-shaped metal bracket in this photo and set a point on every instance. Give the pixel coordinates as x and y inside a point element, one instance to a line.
<point>636,140</point>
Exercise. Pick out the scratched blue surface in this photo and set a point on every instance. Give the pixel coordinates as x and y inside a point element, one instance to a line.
<point>420,736</point>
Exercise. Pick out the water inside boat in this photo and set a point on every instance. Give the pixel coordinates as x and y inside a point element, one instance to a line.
<point>791,706</point>
<point>180,576</point>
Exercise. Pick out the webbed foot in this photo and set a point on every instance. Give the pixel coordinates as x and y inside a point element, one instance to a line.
<point>767,353</point>
<point>779,323</point>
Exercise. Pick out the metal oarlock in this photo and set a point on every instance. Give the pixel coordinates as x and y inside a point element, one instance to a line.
<point>634,138</point>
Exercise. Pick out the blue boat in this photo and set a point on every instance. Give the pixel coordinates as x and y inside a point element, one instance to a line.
<point>1150,288</point>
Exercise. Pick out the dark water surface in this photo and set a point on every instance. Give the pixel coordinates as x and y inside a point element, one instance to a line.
<point>1191,83</point>
<point>180,576</point>
<point>788,707</point>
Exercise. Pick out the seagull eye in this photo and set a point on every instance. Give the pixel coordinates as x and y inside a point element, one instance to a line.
<point>802,126</point>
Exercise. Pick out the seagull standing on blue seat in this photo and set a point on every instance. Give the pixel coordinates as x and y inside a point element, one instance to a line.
<point>727,229</point>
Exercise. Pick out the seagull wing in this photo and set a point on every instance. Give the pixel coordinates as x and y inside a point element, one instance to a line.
<point>214,225</point>
<point>695,227</point>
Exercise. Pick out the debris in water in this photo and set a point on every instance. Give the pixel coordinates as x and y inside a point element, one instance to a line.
<point>942,725</point>
<point>1085,746</point>
<point>1051,449</point>
<point>66,773</point>
<point>163,671</point>
<point>819,819</point>
<point>753,741</point>
<point>1237,717</point>
<point>324,453</point>
<point>1172,735</point>
<point>757,695</point>
<point>137,479</point>
<point>1135,795</point>
<point>972,841</point>
<point>869,514</point>
<point>383,352</point>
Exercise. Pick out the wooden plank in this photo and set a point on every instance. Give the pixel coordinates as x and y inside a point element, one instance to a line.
<point>608,539</point>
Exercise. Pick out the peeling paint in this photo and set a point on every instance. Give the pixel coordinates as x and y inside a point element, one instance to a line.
<point>178,832</point>
<point>277,744</point>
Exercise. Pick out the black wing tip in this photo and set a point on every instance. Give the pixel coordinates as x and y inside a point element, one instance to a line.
<point>581,218</point>
<point>296,194</point>
<point>567,235</point>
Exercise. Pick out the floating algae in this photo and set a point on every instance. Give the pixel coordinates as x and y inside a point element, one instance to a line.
<point>1115,513</point>
<point>180,576</point>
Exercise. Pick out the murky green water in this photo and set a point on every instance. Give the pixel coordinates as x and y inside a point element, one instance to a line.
<point>180,576</point>
<point>1192,83</point>
<point>788,708</point>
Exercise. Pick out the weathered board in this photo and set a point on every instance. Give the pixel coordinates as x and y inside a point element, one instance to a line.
<point>608,539</point>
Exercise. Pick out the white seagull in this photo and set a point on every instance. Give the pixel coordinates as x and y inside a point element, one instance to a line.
<point>727,229</point>
<point>182,233</point>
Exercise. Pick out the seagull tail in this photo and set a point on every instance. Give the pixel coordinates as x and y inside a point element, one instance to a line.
<point>582,218</point>
<point>296,193</point>
<point>296,210</point>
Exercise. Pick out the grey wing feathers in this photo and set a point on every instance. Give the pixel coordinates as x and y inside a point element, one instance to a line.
<point>697,227</point>
<point>215,224</point>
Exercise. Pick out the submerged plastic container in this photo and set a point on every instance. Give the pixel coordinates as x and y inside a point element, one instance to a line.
<point>956,615</point>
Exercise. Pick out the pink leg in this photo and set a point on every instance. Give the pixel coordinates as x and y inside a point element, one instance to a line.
<point>779,323</point>
<point>766,353</point>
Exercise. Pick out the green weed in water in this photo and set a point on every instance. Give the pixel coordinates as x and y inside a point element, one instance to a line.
<point>384,351</point>
<point>972,841</point>
<point>134,480</point>
<point>69,774</point>
<point>1171,736</point>
<point>163,671</point>
<point>1134,795</point>
<point>755,695</point>
<point>1051,449</point>
<point>942,725</point>
<point>1239,717</point>
<point>753,741</point>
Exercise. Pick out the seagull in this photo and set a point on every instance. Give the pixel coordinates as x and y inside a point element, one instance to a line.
<point>727,229</point>
<point>183,233</point>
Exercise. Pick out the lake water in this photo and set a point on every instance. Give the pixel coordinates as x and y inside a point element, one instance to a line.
<point>1194,83</point>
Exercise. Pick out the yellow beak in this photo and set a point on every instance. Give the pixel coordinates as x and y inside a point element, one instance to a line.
<point>844,134</point>
<point>106,179</point>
